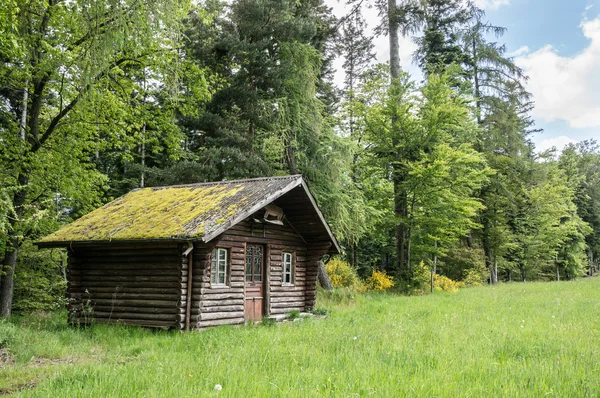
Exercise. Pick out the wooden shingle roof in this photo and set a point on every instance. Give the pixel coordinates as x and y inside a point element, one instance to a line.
<point>182,212</point>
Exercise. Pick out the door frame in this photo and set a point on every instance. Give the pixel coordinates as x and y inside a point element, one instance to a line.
<point>266,272</point>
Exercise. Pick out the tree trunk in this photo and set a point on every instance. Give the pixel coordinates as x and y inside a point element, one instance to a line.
<point>24,111</point>
<point>400,196</point>
<point>522,269</point>
<point>323,277</point>
<point>434,270</point>
<point>10,257</point>
<point>487,248</point>
<point>489,262</point>
<point>143,156</point>
<point>290,155</point>
<point>393,38</point>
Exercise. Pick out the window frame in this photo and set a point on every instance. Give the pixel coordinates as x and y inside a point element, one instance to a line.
<point>292,264</point>
<point>216,260</point>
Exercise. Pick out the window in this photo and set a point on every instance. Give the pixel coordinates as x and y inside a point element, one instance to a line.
<point>218,273</point>
<point>287,269</point>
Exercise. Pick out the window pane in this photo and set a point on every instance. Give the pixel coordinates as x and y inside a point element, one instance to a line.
<point>257,260</point>
<point>287,267</point>
<point>213,267</point>
<point>219,266</point>
<point>249,263</point>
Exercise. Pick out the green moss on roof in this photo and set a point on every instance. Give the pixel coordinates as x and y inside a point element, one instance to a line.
<point>156,213</point>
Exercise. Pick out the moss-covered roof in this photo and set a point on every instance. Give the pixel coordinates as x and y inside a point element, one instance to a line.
<point>175,212</point>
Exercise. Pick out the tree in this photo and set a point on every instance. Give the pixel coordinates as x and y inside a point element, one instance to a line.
<point>581,165</point>
<point>439,46</point>
<point>64,51</point>
<point>442,171</point>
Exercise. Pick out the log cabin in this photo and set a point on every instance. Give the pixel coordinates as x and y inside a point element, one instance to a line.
<point>199,255</point>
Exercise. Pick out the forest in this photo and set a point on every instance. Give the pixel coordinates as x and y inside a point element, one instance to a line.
<point>99,97</point>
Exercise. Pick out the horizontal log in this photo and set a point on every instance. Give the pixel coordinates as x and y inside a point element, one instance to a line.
<point>138,315</point>
<point>139,322</point>
<point>221,296</point>
<point>277,289</point>
<point>172,259</point>
<point>131,284</point>
<point>221,308</point>
<point>127,296</point>
<point>113,252</point>
<point>215,303</point>
<point>140,290</point>
<point>209,316</point>
<point>218,290</point>
<point>290,304</point>
<point>287,299</point>
<point>135,303</point>
<point>286,310</point>
<point>120,309</point>
<point>126,266</point>
<point>130,272</point>
<point>133,278</point>
<point>219,322</point>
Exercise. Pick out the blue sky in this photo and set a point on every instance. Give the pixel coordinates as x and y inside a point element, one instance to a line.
<point>556,26</point>
<point>557,43</point>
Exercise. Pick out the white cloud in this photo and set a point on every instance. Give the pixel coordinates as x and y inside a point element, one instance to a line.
<point>519,51</point>
<point>491,4</point>
<point>558,142</point>
<point>567,88</point>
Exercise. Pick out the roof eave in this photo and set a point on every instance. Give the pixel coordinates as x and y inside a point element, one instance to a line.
<point>69,243</point>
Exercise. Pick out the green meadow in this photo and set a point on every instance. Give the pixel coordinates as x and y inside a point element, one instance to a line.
<point>533,339</point>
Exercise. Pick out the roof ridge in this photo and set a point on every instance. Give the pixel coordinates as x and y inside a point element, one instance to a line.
<point>195,184</point>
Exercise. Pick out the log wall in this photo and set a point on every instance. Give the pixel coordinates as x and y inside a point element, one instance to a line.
<point>142,284</point>
<point>147,284</point>
<point>225,305</point>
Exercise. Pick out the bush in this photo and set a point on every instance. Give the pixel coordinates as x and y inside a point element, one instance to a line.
<point>39,281</point>
<point>8,331</point>
<point>422,281</point>
<point>379,281</point>
<point>475,276</point>
<point>343,275</point>
<point>444,284</point>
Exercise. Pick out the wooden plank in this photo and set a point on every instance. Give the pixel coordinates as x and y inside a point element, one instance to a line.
<point>209,316</point>
<point>219,322</point>
<point>138,315</point>
<point>221,308</point>
<point>289,304</point>
<point>135,303</point>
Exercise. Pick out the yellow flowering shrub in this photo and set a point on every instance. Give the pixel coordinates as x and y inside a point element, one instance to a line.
<point>342,274</point>
<point>379,281</point>
<point>445,284</point>
<point>422,276</point>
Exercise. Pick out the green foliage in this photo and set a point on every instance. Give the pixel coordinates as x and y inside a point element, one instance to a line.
<point>8,332</point>
<point>40,280</point>
<point>295,314</point>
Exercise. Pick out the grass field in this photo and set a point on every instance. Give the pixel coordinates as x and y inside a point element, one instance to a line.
<point>534,339</point>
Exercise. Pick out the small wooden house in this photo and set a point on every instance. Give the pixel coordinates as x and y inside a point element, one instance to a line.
<point>199,255</point>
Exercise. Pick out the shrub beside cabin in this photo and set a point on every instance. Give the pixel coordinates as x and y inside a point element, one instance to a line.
<point>198,255</point>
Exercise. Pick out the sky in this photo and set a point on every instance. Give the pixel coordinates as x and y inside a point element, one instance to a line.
<point>556,42</point>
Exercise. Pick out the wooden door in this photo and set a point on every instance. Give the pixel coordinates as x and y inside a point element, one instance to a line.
<point>254,282</point>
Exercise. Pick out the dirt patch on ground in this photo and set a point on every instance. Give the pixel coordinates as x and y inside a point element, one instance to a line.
<point>17,388</point>
<point>52,361</point>
<point>6,358</point>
